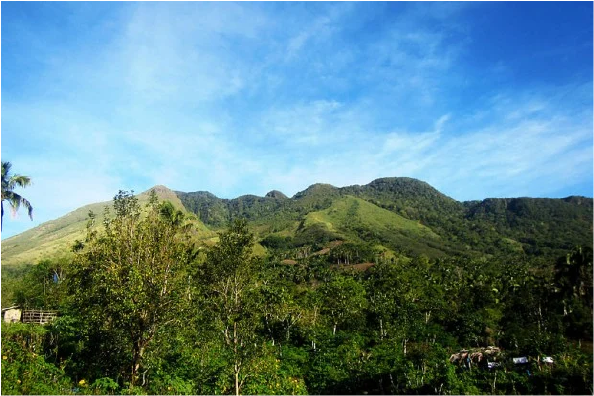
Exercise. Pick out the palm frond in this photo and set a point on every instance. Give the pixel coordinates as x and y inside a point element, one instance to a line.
<point>27,205</point>
<point>5,168</point>
<point>16,201</point>
<point>9,182</point>
<point>18,180</point>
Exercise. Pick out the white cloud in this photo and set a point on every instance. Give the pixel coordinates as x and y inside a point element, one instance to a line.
<point>240,98</point>
<point>528,156</point>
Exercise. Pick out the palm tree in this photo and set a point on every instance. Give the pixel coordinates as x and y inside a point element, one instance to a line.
<point>9,182</point>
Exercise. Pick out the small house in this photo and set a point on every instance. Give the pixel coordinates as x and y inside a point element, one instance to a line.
<point>11,314</point>
<point>15,314</point>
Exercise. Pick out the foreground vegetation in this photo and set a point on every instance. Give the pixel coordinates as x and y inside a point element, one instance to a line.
<point>143,309</point>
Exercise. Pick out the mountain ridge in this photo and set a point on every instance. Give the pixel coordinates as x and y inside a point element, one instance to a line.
<point>537,225</point>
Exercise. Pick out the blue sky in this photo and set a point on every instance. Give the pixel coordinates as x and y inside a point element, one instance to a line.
<point>477,99</point>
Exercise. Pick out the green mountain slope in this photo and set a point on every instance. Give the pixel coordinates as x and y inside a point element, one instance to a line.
<point>407,197</point>
<point>56,237</point>
<point>532,226</point>
<point>539,225</point>
<point>361,221</point>
<point>50,239</point>
<point>402,214</point>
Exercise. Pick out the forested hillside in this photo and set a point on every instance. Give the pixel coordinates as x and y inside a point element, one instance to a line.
<point>391,287</point>
<point>534,226</point>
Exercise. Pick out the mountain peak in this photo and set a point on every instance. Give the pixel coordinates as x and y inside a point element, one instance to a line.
<point>276,194</point>
<point>159,189</point>
<point>164,194</point>
<point>397,180</point>
<point>315,189</point>
<point>406,185</point>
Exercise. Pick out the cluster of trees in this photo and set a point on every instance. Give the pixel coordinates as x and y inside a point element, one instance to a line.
<point>145,310</point>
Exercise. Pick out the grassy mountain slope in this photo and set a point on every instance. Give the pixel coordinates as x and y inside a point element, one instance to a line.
<point>55,238</point>
<point>50,239</point>
<point>359,220</point>
<point>391,199</point>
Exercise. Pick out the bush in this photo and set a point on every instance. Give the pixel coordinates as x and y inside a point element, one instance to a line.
<point>24,368</point>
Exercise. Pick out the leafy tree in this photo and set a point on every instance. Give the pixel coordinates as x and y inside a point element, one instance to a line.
<point>9,183</point>
<point>344,301</point>
<point>573,278</point>
<point>12,278</point>
<point>168,211</point>
<point>230,278</point>
<point>42,286</point>
<point>129,283</point>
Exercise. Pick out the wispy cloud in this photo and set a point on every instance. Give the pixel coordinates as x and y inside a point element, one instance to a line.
<point>511,156</point>
<point>241,98</point>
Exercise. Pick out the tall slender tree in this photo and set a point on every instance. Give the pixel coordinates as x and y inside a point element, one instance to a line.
<point>9,183</point>
<point>230,272</point>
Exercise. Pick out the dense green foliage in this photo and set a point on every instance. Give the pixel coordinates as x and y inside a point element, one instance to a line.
<point>541,226</point>
<point>28,366</point>
<point>329,309</point>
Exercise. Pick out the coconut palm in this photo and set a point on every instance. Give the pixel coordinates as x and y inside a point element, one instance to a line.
<point>9,182</point>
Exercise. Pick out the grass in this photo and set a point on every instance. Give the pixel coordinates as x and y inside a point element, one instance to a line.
<point>49,238</point>
<point>357,219</point>
<point>55,238</point>
<point>350,211</point>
